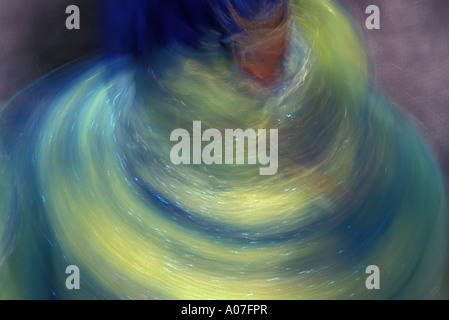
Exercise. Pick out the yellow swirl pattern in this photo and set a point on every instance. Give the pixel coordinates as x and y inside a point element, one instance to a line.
<point>356,186</point>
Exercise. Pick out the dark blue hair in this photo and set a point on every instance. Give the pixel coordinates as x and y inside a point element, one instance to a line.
<point>139,26</point>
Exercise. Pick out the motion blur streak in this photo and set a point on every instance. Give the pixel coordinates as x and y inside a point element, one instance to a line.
<point>87,180</point>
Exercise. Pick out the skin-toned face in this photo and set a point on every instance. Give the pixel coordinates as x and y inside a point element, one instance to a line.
<point>259,49</point>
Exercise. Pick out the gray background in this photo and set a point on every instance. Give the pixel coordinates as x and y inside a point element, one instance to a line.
<point>409,54</point>
<point>410,61</point>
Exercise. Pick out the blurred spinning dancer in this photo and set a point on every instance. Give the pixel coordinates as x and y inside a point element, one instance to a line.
<point>86,177</point>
